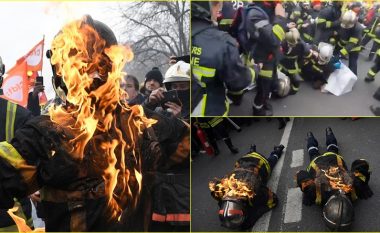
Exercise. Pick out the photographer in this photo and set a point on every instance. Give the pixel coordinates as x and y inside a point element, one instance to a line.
<point>174,99</point>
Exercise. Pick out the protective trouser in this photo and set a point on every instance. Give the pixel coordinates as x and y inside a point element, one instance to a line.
<point>331,146</point>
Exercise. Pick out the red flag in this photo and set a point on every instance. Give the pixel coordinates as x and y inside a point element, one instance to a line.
<point>34,58</point>
<point>16,85</point>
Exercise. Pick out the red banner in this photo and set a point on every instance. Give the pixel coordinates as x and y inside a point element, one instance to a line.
<point>16,85</point>
<point>34,58</point>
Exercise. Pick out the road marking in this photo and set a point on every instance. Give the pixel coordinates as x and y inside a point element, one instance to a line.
<point>293,209</point>
<point>262,224</point>
<point>297,158</point>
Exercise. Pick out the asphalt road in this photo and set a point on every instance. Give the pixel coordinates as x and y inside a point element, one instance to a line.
<point>310,102</point>
<point>356,139</point>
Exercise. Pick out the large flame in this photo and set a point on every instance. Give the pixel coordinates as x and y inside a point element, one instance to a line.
<point>92,75</point>
<point>336,180</point>
<point>231,187</point>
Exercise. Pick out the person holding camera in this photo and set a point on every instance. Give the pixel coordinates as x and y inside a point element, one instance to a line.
<point>174,99</point>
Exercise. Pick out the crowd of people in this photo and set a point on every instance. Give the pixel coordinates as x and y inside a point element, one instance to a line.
<point>237,45</point>
<point>61,156</point>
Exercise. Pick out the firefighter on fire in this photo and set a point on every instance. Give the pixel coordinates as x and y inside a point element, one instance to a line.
<point>265,23</point>
<point>216,63</point>
<point>349,39</point>
<point>242,195</point>
<point>90,170</point>
<point>328,22</point>
<point>12,117</point>
<point>295,52</point>
<point>327,182</point>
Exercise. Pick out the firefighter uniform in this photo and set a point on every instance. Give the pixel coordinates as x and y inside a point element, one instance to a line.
<point>369,33</point>
<point>327,22</point>
<point>255,170</point>
<point>213,126</point>
<point>289,64</point>
<point>228,14</point>
<point>349,45</point>
<point>12,117</point>
<point>314,182</point>
<point>265,50</point>
<point>73,192</point>
<point>318,73</point>
<point>376,66</point>
<point>216,65</point>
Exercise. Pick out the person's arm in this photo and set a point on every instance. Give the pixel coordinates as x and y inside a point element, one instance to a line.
<point>307,185</point>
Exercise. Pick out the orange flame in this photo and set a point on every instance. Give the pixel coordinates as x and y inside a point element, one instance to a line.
<point>231,187</point>
<point>336,180</point>
<point>20,222</point>
<point>92,74</point>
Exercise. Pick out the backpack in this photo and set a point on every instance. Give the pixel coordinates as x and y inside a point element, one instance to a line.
<point>247,40</point>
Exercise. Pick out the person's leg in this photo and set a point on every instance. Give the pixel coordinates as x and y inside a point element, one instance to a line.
<point>264,84</point>
<point>373,71</point>
<point>312,146</point>
<point>221,130</point>
<point>353,62</point>
<point>275,155</point>
<point>331,142</point>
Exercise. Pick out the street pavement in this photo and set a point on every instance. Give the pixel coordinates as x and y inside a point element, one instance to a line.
<point>310,102</point>
<point>356,139</point>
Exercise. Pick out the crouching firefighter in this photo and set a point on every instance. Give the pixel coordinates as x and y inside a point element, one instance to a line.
<point>328,183</point>
<point>242,195</point>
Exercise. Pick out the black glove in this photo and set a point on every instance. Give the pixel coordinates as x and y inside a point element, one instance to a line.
<point>363,191</point>
<point>309,195</point>
<point>361,166</point>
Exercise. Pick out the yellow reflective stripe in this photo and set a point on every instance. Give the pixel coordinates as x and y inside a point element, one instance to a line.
<point>316,68</point>
<point>376,40</point>
<point>319,20</point>
<point>360,176</point>
<point>204,125</point>
<point>270,202</point>
<point>226,22</point>
<point>309,55</point>
<point>314,165</point>
<point>262,160</point>
<point>371,35</point>
<point>299,21</point>
<point>10,154</point>
<point>204,101</point>
<point>307,36</point>
<point>344,51</point>
<point>295,88</point>
<point>215,121</point>
<point>378,52</point>
<point>236,92</point>
<point>353,40</point>
<point>318,199</point>
<point>10,121</point>
<point>356,49</point>
<point>227,108</point>
<point>253,75</point>
<point>371,72</point>
<point>279,32</point>
<point>328,24</point>
<point>200,71</point>
<point>266,73</point>
<point>291,57</point>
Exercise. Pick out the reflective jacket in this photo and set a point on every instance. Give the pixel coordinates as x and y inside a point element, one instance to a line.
<point>327,22</point>
<point>349,40</point>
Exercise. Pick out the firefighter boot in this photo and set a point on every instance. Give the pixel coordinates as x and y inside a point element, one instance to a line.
<point>262,111</point>
<point>277,150</point>
<point>377,94</point>
<point>369,79</point>
<point>371,56</point>
<point>311,141</point>
<point>233,149</point>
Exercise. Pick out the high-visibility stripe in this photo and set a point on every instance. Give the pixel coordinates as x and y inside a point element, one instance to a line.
<point>376,40</point>
<point>328,24</point>
<point>318,199</point>
<point>262,160</point>
<point>344,52</point>
<point>317,68</point>
<point>371,73</point>
<point>266,73</point>
<point>353,40</point>
<point>227,105</point>
<point>307,36</point>
<point>279,32</point>
<point>236,92</point>
<point>10,121</point>
<point>314,165</point>
<point>204,102</point>
<point>320,20</point>
<point>171,217</point>
<point>295,88</point>
<point>226,22</point>
<point>360,176</point>
<point>215,121</point>
<point>270,202</point>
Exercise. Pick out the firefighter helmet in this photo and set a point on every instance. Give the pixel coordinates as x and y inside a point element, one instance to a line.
<point>104,33</point>
<point>292,37</point>
<point>349,19</point>
<point>231,213</point>
<point>179,72</point>
<point>325,53</point>
<point>283,85</point>
<point>338,212</point>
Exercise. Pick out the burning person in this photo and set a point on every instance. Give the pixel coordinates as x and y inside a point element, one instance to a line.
<point>92,157</point>
<point>327,182</point>
<point>242,195</point>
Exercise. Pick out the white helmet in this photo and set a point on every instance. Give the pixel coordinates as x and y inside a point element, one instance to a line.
<point>349,19</point>
<point>179,72</point>
<point>292,36</point>
<point>325,53</point>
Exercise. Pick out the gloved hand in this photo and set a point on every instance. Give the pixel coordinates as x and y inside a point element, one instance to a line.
<point>361,166</point>
<point>337,65</point>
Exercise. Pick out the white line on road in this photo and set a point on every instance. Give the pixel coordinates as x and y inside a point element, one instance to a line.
<point>293,211</point>
<point>263,223</point>
<point>297,158</point>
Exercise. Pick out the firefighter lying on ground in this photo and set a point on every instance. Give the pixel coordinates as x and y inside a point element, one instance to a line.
<point>328,182</point>
<point>242,195</point>
<point>69,160</point>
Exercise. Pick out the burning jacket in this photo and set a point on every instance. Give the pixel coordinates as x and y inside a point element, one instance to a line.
<point>326,175</point>
<point>93,193</point>
<point>247,183</point>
